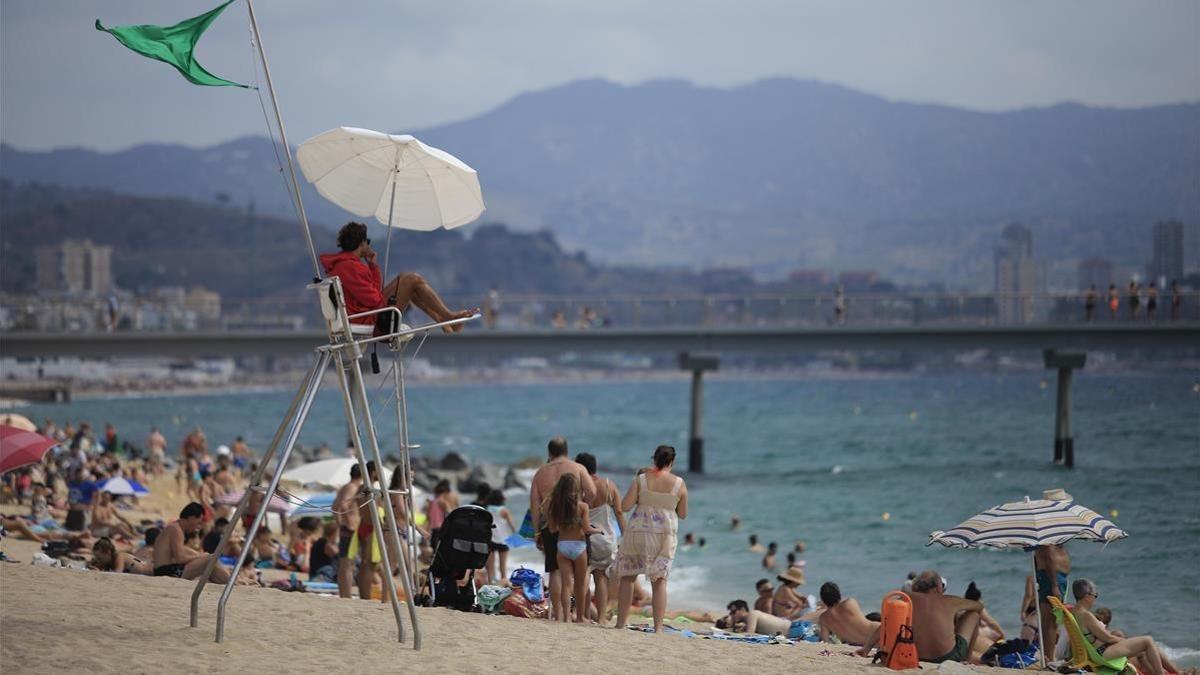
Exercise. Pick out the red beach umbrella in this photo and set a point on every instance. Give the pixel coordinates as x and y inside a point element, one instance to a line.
<point>19,447</point>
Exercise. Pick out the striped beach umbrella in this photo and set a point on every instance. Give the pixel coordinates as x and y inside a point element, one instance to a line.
<point>1027,524</point>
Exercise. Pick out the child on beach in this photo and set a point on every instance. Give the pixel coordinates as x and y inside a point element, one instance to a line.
<point>567,516</point>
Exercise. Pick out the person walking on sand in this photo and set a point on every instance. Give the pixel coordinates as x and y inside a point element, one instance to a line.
<point>658,499</point>
<point>557,464</point>
<point>345,509</point>
<point>364,288</point>
<point>605,515</point>
<point>567,517</point>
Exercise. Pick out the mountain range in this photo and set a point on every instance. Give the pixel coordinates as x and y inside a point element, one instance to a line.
<point>772,176</point>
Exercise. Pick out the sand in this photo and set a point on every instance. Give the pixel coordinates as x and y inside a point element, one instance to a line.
<point>60,620</point>
<point>56,620</point>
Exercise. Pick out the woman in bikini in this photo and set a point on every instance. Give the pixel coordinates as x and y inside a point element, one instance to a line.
<point>106,558</point>
<point>567,516</point>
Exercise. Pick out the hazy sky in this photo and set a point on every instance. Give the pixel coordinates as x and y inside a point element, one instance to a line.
<point>401,65</point>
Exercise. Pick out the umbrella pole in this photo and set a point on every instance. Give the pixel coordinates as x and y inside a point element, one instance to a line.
<point>287,149</point>
<point>387,251</point>
<point>1038,608</point>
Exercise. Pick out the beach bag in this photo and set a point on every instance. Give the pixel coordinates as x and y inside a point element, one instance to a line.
<point>904,651</point>
<point>1011,654</point>
<point>529,582</point>
<point>490,598</point>
<point>895,612</point>
<point>517,604</point>
<point>56,548</point>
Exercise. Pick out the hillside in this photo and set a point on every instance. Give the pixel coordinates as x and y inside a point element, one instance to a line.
<point>170,241</point>
<point>774,175</point>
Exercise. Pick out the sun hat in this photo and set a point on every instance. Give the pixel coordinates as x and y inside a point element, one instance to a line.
<point>794,575</point>
<point>1056,495</point>
<point>223,450</point>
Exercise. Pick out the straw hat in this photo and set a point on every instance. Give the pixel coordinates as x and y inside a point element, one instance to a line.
<point>1056,495</point>
<point>794,575</point>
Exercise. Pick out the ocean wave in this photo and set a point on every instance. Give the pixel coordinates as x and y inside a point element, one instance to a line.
<point>1182,656</point>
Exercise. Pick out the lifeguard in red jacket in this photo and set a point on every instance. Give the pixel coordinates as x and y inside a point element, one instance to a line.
<point>362,283</point>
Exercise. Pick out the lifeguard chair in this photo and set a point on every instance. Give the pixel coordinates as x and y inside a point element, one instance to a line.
<point>346,349</point>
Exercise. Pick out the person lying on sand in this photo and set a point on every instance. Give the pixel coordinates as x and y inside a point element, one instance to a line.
<point>172,556</point>
<point>742,619</point>
<point>106,558</point>
<point>843,618</point>
<point>944,626</point>
<point>363,285</point>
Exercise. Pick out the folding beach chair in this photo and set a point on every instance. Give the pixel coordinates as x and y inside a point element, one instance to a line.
<point>1083,653</point>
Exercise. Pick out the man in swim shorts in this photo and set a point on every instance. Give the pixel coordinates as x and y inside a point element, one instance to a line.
<point>557,464</point>
<point>944,626</point>
<point>173,558</point>
<point>1051,562</point>
<point>346,511</point>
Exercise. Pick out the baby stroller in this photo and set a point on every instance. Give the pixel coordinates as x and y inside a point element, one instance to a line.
<point>464,541</point>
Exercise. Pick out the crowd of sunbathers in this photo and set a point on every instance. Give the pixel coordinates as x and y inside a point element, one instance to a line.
<point>946,627</point>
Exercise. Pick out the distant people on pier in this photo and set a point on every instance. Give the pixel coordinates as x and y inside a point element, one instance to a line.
<point>1089,303</point>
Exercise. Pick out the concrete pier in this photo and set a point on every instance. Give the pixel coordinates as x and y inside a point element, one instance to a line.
<point>697,363</point>
<point>1066,363</point>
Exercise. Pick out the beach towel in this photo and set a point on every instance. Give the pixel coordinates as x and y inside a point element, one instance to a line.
<point>516,604</point>
<point>529,581</point>
<point>526,530</point>
<point>490,598</point>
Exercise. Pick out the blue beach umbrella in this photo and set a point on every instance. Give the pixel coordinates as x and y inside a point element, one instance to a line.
<point>139,489</point>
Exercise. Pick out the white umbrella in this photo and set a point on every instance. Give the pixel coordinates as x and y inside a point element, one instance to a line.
<point>1054,519</point>
<point>119,486</point>
<point>394,177</point>
<point>331,472</point>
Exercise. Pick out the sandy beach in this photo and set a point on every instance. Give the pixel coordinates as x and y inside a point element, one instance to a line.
<point>58,620</point>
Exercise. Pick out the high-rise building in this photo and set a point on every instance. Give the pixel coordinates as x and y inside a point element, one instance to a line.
<point>1016,275</point>
<point>1096,272</point>
<point>76,267</point>
<point>1167,263</point>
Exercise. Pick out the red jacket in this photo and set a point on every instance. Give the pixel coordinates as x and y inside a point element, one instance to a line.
<point>362,284</point>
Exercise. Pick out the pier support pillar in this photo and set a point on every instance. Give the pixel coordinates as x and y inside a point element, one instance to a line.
<point>1066,363</point>
<point>697,363</point>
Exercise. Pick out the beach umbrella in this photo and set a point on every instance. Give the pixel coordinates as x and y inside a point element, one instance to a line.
<point>331,472</point>
<point>19,421</point>
<point>314,505</point>
<point>278,504</point>
<point>118,486</point>
<point>1027,524</point>
<point>394,177</point>
<point>139,489</point>
<point>19,447</point>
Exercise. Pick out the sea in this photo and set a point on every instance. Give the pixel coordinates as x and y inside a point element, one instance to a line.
<point>861,468</point>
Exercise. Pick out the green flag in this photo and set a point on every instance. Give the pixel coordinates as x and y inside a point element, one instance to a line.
<point>173,45</point>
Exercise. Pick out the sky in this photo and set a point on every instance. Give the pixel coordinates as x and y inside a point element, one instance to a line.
<point>402,66</point>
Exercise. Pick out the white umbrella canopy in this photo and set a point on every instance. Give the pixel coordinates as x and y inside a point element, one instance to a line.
<point>396,178</point>
<point>331,472</point>
<point>119,486</point>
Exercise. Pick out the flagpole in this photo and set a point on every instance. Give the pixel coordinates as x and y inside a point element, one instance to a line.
<point>287,149</point>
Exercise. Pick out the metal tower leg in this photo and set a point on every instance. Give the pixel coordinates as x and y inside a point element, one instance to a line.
<point>312,386</point>
<point>350,378</point>
<point>313,379</point>
<point>406,462</point>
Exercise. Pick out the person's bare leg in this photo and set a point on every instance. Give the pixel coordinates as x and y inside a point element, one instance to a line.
<point>555,589</point>
<point>658,589</point>
<point>581,580</point>
<point>366,575</point>
<point>18,525</point>
<point>1142,647</point>
<point>492,563</point>
<point>345,577</point>
<point>194,568</point>
<point>601,596</point>
<point>1049,630</point>
<point>412,288</point>
<point>967,626</point>
<point>562,600</point>
<point>503,566</point>
<point>624,599</point>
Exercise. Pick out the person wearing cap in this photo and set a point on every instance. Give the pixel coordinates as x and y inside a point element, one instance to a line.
<point>787,603</point>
